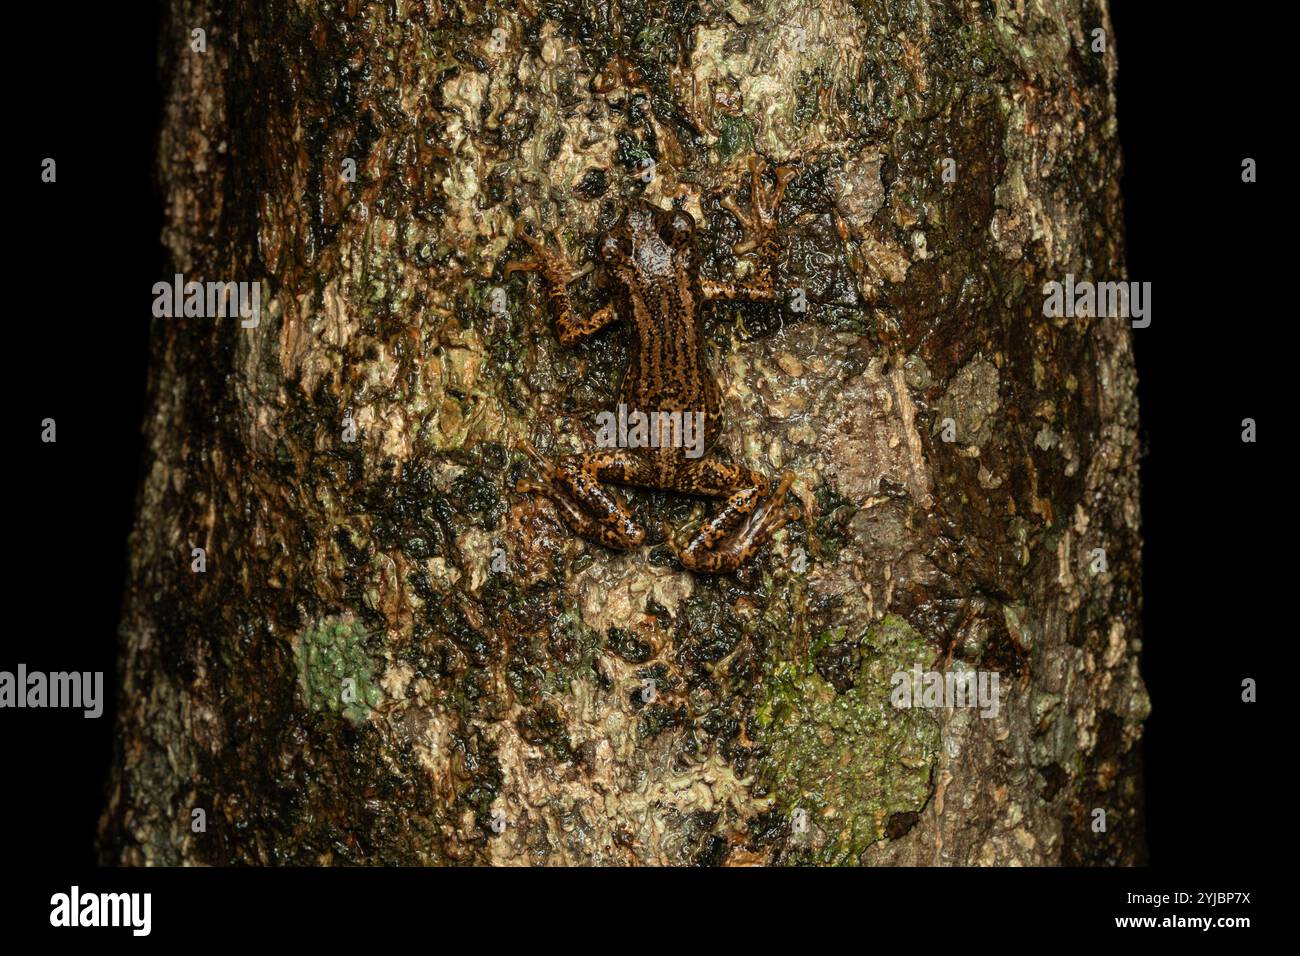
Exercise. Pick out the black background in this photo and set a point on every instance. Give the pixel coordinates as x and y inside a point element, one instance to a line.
<point>1194,99</point>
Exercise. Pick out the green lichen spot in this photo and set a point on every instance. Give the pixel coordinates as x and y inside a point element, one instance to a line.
<point>734,135</point>
<point>850,761</point>
<point>335,670</point>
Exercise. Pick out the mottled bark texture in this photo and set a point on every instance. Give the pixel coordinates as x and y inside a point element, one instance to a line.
<point>503,710</point>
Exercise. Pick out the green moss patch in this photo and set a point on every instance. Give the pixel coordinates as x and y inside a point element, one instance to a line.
<point>335,669</point>
<point>850,761</point>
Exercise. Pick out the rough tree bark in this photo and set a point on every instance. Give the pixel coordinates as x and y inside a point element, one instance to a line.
<point>500,713</point>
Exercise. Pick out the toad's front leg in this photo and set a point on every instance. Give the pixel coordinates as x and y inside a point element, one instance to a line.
<point>559,273</point>
<point>752,513</point>
<point>589,508</point>
<point>759,225</point>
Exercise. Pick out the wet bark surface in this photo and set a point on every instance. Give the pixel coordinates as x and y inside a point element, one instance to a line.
<point>515,694</point>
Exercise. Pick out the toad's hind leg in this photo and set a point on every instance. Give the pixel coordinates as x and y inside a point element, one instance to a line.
<point>752,513</point>
<point>589,508</point>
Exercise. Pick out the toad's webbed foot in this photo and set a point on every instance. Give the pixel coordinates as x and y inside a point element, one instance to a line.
<point>588,507</point>
<point>760,222</point>
<point>553,264</point>
<point>752,513</point>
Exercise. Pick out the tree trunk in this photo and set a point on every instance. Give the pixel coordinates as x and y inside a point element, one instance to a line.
<point>392,656</point>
